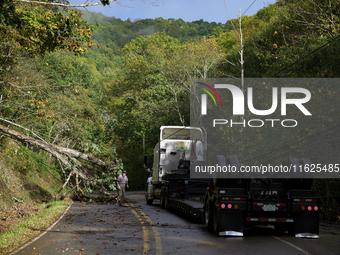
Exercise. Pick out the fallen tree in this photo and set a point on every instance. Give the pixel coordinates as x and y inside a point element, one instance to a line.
<point>70,158</point>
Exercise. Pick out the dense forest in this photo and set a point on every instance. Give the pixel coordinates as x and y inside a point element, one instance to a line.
<point>98,85</point>
<point>113,34</point>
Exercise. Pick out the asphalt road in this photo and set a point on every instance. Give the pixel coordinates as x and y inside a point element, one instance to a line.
<point>137,228</point>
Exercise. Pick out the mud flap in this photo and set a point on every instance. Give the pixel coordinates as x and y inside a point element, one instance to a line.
<point>306,225</point>
<point>230,223</point>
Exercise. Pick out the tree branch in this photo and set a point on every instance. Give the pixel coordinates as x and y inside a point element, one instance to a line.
<point>55,150</point>
<point>17,125</point>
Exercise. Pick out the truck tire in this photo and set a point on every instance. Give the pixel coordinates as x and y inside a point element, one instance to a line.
<point>306,183</point>
<point>220,182</point>
<point>216,220</point>
<point>166,197</point>
<point>149,201</point>
<point>161,199</point>
<point>225,162</point>
<point>291,162</point>
<point>208,215</point>
<point>302,182</point>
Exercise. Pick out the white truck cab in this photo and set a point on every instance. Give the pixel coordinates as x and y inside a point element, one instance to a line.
<point>175,143</point>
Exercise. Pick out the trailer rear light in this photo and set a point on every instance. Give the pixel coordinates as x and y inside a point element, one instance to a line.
<point>207,188</point>
<point>229,206</point>
<point>309,208</point>
<point>316,208</point>
<point>303,208</point>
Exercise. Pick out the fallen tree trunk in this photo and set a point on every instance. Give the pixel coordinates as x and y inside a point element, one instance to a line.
<point>79,155</point>
<point>57,151</point>
<point>68,157</point>
<point>33,142</point>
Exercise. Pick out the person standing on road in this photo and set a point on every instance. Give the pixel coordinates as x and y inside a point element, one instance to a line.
<point>122,181</point>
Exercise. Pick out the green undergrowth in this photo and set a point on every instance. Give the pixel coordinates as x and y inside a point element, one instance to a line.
<point>27,175</point>
<point>28,228</point>
<point>30,181</point>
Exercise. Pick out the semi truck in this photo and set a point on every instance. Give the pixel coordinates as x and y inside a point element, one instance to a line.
<point>227,206</point>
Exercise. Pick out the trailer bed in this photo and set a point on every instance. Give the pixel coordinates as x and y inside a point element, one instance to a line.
<point>190,207</point>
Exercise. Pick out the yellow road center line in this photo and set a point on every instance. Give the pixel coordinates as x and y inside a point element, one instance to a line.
<point>155,231</point>
<point>146,248</point>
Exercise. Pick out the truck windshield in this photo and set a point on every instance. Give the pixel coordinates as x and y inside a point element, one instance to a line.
<point>181,133</point>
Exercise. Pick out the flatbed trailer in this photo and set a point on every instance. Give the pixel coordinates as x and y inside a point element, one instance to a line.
<point>240,204</point>
<point>192,208</point>
<point>226,205</point>
<point>184,194</point>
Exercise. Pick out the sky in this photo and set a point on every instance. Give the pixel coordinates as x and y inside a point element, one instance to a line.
<point>188,10</point>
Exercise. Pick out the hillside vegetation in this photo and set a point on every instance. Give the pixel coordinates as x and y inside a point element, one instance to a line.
<point>98,85</point>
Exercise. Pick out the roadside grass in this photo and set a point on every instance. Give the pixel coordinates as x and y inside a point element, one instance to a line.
<point>30,227</point>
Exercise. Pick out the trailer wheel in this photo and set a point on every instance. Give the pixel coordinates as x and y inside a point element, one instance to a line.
<point>306,183</point>
<point>166,197</point>
<point>161,199</point>
<point>231,161</point>
<point>208,215</point>
<point>149,201</point>
<point>216,220</point>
